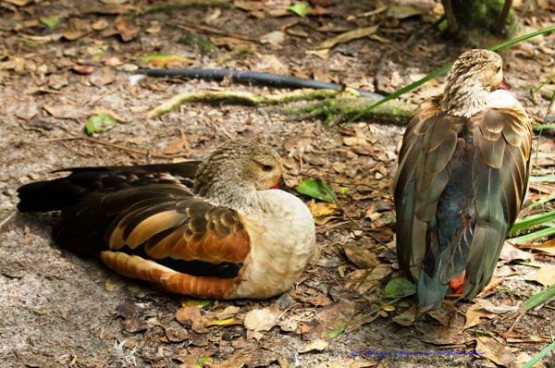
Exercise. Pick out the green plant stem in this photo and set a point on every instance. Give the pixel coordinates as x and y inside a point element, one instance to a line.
<point>540,298</point>
<point>532,221</point>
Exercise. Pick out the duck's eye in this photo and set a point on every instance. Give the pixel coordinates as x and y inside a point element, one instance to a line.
<point>498,69</point>
<point>267,168</point>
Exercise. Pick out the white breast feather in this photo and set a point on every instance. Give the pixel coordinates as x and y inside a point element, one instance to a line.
<point>282,241</point>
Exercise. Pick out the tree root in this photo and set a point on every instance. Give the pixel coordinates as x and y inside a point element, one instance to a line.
<point>335,106</point>
<point>347,110</point>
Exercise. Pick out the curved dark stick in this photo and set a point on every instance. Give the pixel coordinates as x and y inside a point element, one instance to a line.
<point>248,77</point>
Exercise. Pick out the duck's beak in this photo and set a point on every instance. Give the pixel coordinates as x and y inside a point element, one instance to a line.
<point>504,85</point>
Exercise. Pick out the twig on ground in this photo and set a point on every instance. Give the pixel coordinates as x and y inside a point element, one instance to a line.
<point>112,145</point>
<point>6,219</point>
<point>179,4</point>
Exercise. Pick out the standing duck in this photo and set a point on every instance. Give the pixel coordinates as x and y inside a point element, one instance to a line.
<point>231,236</point>
<point>462,178</point>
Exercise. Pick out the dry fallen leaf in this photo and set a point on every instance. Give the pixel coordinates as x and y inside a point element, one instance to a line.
<point>473,315</point>
<point>347,36</point>
<point>18,2</point>
<point>27,109</point>
<point>488,306</point>
<point>262,319</point>
<point>354,141</point>
<point>100,24</point>
<point>484,308</point>
<point>444,335</point>
<point>403,11</point>
<point>126,30</point>
<point>547,247</point>
<point>320,209</point>
<point>191,316</point>
<point>83,69</point>
<point>270,63</point>
<point>288,325</point>
<point>511,253</point>
<point>364,280</point>
<point>113,283</point>
<point>102,76</point>
<point>330,322</point>
<point>545,275</point>
<point>237,360</point>
<point>249,5</point>
<point>64,111</point>
<point>524,358</point>
<point>407,318</point>
<point>111,113</point>
<point>361,257</point>
<point>179,145</point>
<point>351,363</point>
<point>442,315</point>
<point>274,39</point>
<point>76,28</point>
<point>494,351</point>
<point>318,345</point>
<point>154,27</point>
<point>228,312</point>
<point>57,81</point>
<point>134,325</point>
<point>319,300</point>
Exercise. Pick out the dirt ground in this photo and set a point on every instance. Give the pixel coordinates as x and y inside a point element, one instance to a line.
<point>59,310</point>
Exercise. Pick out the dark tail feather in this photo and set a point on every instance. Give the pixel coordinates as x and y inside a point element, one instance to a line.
<point>44,196</point>
<point>59,194</point>
<point>431,292</point>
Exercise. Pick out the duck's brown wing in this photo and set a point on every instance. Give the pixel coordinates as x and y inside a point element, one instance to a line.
<point>162,234</point>
<point>428,145</point>
<point>503,140</point>
<point>458,190</point>
<point>177,233</point>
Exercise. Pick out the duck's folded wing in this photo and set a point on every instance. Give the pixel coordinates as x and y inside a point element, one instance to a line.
<point>182,243</point>
<point>164,224</point>
<point>428,145</point>
<point>503,139</point>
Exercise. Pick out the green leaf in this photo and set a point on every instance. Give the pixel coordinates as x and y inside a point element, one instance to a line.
<point>340,327</point>
<point>161,59</point>
<point>99,123</point>
<point>399,287</point>
<point>300,9</point>
<point>50,22</point>
<point>203,362</point>
<point>542,201</point>
<point>533,236</point>
<point>539,356</point>
<point>201,303</point>
<point>531,221</point>
<point>317,189</point>
<point>540,298</point>
<point>540,127</point>
<point>543,179</point>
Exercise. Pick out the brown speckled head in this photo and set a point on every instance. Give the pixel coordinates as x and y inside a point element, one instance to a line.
<point>236,168</point>
<point>474,74</point>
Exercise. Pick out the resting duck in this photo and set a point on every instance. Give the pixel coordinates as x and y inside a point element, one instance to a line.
<point>229,236</point>
<point>462,178</point>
